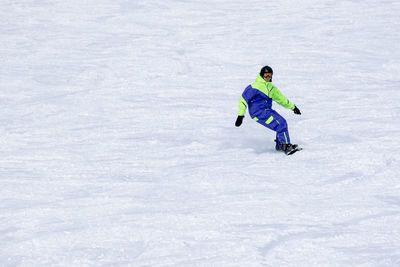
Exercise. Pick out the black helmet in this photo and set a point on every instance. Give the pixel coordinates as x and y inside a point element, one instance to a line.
<point>266,69</point>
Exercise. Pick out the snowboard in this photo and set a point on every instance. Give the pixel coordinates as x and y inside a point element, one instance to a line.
<point>295,148</point>
<point>291,152</point>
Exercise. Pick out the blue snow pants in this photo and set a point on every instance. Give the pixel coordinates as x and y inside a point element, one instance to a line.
<point>272,120</point>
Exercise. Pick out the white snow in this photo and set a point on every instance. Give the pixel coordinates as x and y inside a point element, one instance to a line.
<point>118,145</point>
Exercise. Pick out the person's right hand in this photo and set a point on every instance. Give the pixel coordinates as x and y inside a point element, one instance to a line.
<point>239,121</point>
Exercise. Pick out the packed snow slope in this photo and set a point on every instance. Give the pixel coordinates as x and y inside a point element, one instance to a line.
<point>118,145</point>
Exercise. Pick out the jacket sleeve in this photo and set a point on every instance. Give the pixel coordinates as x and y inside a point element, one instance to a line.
<point>247,96</point>
<point>279,98</point>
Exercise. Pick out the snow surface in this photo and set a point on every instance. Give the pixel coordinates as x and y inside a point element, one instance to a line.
<point>118,145</point>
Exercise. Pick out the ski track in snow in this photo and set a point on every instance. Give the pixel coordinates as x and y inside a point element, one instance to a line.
<point>119,146</point>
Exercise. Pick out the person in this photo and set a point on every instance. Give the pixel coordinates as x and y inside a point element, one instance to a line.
<point>258,97</point>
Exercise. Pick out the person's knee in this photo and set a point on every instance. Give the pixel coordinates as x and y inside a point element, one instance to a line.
<point>282,127</point>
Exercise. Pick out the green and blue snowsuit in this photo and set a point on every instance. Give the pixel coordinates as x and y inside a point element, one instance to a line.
<point>258,98</point>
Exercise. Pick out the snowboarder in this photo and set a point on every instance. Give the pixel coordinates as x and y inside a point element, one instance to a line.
<point>258,97</point>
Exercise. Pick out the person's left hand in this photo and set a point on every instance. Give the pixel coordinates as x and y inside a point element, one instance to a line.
<point>296,110</point>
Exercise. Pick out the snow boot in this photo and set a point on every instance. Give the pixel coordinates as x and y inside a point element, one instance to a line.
<point>277,146</point>
<point>289,149</point>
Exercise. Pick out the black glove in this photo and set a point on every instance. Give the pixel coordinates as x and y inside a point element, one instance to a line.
<point>239,121</point>
<point>296,111</point>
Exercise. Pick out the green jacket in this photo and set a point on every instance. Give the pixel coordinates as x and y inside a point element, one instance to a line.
<point>259,95</point>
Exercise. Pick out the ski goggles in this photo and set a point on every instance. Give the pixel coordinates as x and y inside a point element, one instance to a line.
<point>267,75</point>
